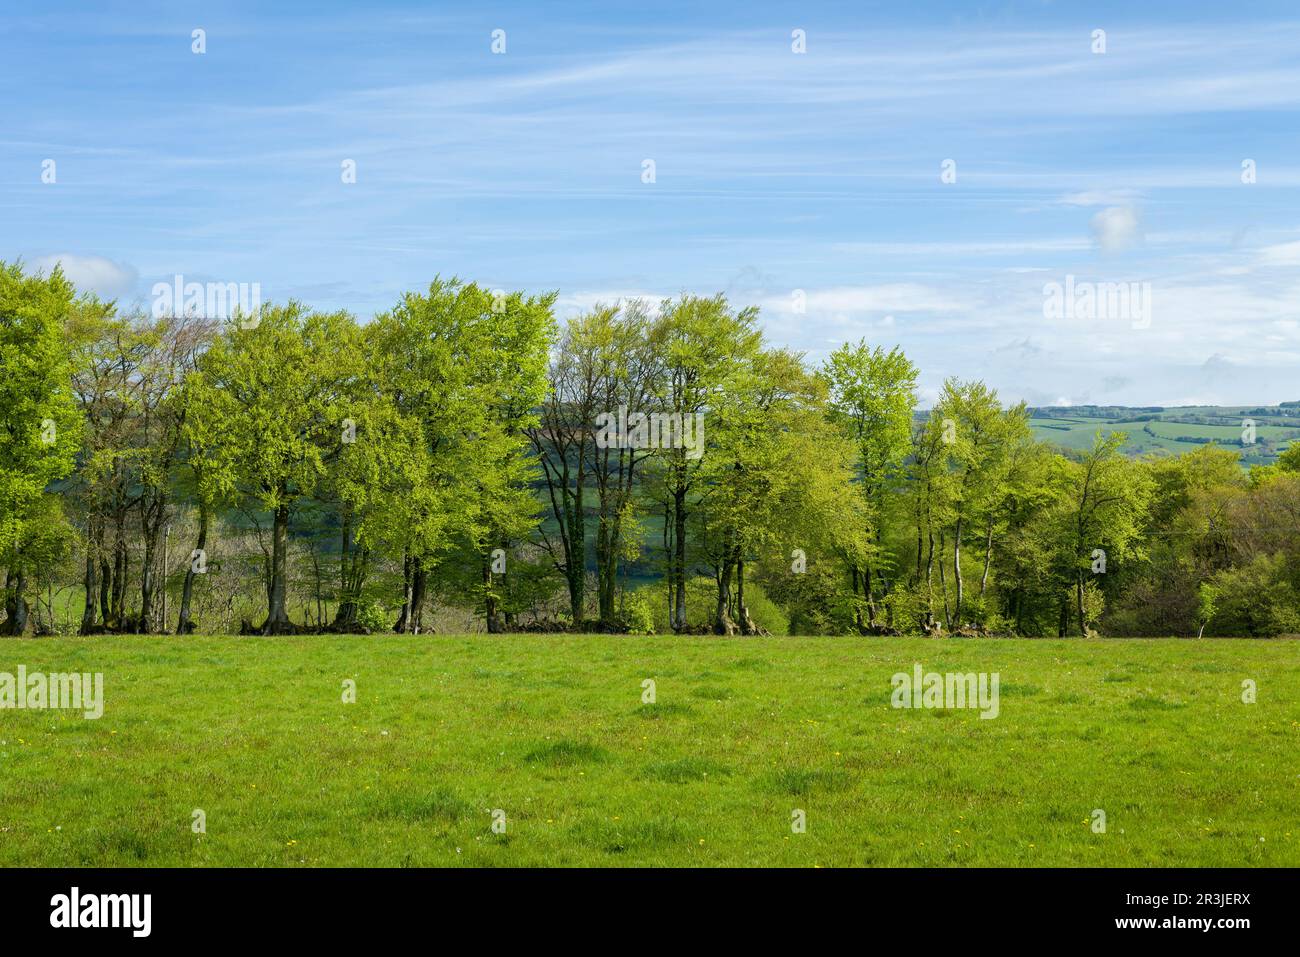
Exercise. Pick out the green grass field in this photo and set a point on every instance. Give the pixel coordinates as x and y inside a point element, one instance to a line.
<point>1078,432</point>
<point>551,730</point>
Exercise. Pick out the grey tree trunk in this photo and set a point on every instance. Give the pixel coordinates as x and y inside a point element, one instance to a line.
<point>277,618</point>
<point>184,624</point>
<point>679,562</point>
<point>93,540</point>
<point>956,570</point>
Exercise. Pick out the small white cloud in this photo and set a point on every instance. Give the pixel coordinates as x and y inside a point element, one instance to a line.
<point>1284,254</point>
<point>1116,228</point>
<point>105,278</point>
<point>1099,197</point>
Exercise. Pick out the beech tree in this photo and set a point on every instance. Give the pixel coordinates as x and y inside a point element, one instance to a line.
<point>510,380</point>
<point>269,399</point>
<point>972,416</point>
<point>600,366</point>
<point>562,439</point>
<point>1103,512</point>
<point>872,395</point>
<point>464,369</point>
<point>39,424</point>
<point>702,345</point>
<point>760,493</point>
<point>627,369</point>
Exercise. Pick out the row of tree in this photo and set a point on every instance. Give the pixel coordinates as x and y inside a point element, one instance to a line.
<point>461,461</point>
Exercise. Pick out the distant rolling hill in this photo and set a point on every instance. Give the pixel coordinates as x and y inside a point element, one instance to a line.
<point>1152,429</point>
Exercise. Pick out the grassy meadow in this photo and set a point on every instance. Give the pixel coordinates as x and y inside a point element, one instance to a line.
<point>743,732</point>
<point>1172,431</point>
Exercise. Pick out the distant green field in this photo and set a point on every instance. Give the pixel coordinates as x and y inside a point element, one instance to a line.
<point>1274,429</point>
<point>552,731</point>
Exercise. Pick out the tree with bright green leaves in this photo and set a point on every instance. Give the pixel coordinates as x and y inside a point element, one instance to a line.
<point>105,355</point>
<point>423,354</point>
<point>1189,538</point>
<point>173,347</point>
<point>199,482</point>
<point>562,440</point>
<point>626,371</point>
<point>702,345</point>
<point>382,476</point>
<point>40,427</point>
<point>872,395</point>
<point>977,436</point>
<point>929,504</point>
<point>1102,519</point>
<point>504,510</point>
<point>761,492</point>
<point>464,369</point>
<point>269,401</point>
<point>1027,587</point>
<point>601,367</point>
<point>1010,474</point>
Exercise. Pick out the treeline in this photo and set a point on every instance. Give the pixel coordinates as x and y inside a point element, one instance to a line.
<point>462,462</point>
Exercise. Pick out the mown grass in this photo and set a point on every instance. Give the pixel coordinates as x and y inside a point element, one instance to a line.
<point>552,730</point>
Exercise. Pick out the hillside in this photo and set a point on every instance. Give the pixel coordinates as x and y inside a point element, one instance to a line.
<point>1154,429</point>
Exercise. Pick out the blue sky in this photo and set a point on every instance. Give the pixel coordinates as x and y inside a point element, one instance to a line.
<point>774,171</point>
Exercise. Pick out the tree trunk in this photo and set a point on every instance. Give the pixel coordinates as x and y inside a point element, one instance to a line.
<point>988,559</point>
<point>871,602</point>
<point>16,607</point>
<point>419,587</point>
<point>93,540</point>
<point>147,585</point>
<point>929,578</point>
<point>105,590</point>
<point>723,624</point>
<point>277,617</point>
<point>415,580</point>
<point>577,579</point>
<point>747,624</point>
<point>119,573</point>
<point>576,562</point>
<point>608,538</point>
<point>153,515</point>
<point>346,614</point>
<point>943,585</point>
<point>1078,593</point>
<point>679,562</point>
<point>956,570</point>
<point>184,625</point>
<point>857,608</point>
<point>490,600</point>
<point>916,574</point>
<point>669,578</point>
<point>404,617</point>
